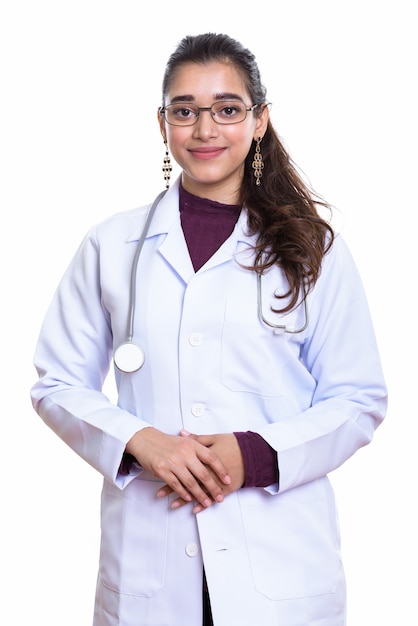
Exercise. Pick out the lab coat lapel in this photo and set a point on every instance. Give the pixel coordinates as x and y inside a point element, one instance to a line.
<point>238,246</point>
<point>174,249</point>
<point>175,252</point>
<point>173,245</point>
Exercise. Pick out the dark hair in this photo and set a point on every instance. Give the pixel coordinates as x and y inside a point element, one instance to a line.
<point>283,211</point>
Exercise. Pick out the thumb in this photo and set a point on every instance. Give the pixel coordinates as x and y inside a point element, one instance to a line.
<point>185,433</point>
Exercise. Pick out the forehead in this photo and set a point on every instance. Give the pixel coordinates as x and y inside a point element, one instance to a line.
<point>200,81</point>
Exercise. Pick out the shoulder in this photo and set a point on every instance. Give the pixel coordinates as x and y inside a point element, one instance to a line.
<point>338,256</point>
<point>128,225</point>
<point>120,225</point>
<point>339,272</point>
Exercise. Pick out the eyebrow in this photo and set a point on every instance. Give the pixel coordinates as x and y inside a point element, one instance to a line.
<point>216,97</point>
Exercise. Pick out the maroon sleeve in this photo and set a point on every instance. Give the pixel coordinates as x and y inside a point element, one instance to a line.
<point>126,464</point>
<point>260,460</point>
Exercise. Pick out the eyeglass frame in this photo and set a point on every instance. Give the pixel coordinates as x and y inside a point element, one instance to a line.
<point>162,109</point>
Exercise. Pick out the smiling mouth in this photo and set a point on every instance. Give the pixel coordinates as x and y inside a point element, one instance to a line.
<point>207,152</point>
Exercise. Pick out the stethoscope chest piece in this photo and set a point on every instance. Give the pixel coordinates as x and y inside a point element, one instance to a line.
<point>129,357</point>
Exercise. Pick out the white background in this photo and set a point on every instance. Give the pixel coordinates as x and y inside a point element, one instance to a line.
<point>80,85</point>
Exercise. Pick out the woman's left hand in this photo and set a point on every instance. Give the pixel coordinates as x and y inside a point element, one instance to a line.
<point>226,446</point>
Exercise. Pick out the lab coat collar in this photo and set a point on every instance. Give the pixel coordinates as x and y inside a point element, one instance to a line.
<point>168,212</point>
<point>166,220</point>
<point>165,214</point>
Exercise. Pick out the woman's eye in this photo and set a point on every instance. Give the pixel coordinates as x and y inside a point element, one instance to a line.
<point>184,112</point>
<point>230,110</point>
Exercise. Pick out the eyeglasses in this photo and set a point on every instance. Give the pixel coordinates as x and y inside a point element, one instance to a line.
<point>222,112</point>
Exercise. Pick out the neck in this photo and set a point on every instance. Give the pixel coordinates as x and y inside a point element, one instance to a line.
<point>219,192</point>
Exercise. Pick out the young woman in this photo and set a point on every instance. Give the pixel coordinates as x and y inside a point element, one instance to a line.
<point>259,373</point>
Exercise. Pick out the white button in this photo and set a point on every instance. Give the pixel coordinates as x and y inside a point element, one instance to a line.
<point>191,549</point>
<point>198,409</point>
<point>196,339</point>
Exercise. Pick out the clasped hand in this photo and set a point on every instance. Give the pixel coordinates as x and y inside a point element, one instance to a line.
<point>202,469</point>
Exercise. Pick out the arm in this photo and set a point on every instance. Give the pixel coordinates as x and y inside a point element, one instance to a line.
<point>340,355</point>
<point>72,358</point>
<point>334,391</point>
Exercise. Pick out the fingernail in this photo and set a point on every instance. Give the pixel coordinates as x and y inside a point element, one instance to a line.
<point>227,480</point>
<point>207,502</point>
<point>185,432</point>
<point>219,498</point>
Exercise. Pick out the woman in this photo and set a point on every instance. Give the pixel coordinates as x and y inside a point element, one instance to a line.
<point>261,372</point>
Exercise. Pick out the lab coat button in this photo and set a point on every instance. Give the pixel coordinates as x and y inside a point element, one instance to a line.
<point>191,549</point>
<point>198,409</point>
<point>196,339</point>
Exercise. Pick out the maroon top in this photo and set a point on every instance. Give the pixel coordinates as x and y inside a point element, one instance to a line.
<point>206,225</point>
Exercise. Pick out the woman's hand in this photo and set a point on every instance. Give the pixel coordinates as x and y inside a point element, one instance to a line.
<point>189,468</point>
<point>226,448</point>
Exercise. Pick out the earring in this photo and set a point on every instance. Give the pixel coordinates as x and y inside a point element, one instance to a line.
<point>167,168</point>
<point>258,164</point>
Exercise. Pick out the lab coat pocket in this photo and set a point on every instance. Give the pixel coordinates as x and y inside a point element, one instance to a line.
<point>252,359</point>
<point>293,541</point>
<point>134,536</point>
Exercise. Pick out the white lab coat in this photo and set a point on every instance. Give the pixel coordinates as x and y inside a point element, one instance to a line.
<point>271,556</point>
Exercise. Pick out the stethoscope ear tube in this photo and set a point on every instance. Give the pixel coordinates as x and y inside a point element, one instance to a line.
<point>129,356</point>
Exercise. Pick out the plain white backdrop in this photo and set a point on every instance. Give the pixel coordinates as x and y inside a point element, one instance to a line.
<point>80,86</point>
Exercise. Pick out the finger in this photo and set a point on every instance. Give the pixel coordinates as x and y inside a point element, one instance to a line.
<point>206,440</point>
<point>179,502</point>
<point>208,488</point>
<point>185,433</point>
<point>211,460</point>
<point>191,470</point>
<point>203,489</point>
<point>189,488</point>
<point>187,484</point>
<point>198,508</point>
<point>164,491</point>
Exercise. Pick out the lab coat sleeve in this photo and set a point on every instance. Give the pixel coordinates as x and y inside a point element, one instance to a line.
<point>72,360</point>
<point>341,355</point>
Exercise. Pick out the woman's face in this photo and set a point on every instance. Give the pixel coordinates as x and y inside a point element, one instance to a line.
<point>211,155</point>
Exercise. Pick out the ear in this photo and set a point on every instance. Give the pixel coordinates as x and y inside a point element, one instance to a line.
<point>261,123</point>
<point>161,122</point>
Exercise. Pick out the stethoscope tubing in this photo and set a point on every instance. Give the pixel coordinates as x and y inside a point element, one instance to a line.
<point>135,262</point>
<point>129,357</point>
<point>278,328</point>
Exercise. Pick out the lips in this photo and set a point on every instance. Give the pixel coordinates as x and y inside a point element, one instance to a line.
<point>209,152</point>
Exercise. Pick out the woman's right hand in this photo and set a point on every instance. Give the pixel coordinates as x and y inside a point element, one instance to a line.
<point>182,463</point>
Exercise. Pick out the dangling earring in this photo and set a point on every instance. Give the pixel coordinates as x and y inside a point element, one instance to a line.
<point>167,169</point>
<point>258,164</point>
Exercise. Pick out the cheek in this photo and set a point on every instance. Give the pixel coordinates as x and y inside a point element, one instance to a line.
<point>242,138</point>
<point>243,146</point>
<point>176,137</point>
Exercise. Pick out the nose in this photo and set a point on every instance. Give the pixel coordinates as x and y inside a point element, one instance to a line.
<point>205,127</point>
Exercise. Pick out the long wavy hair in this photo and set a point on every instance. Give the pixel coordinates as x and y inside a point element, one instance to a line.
<point>283,210</point>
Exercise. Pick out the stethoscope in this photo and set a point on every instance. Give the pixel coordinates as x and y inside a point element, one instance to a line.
<point>129,357</point>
